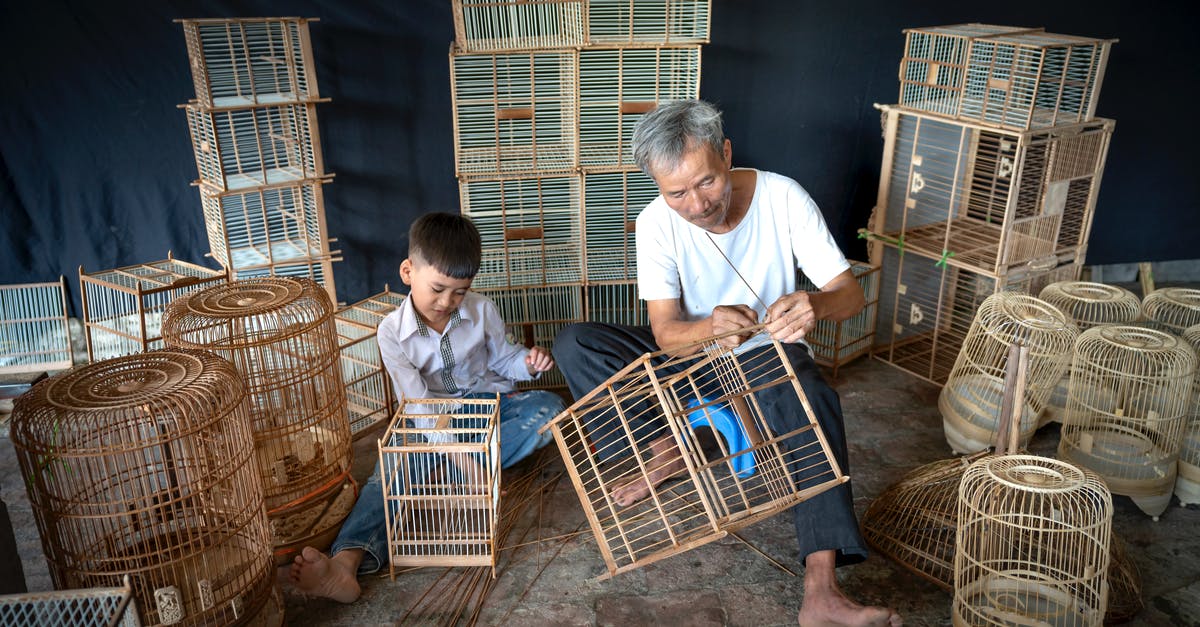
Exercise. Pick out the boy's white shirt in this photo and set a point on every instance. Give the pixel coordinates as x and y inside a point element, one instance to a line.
<point>484,359</point>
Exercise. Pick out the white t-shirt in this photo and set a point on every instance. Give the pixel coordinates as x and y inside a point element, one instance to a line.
<point>782,230</point>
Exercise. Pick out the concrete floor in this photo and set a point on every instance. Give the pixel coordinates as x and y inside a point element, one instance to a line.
<point>549,563</point>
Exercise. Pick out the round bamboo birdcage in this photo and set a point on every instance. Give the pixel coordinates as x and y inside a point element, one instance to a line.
<point>1032,543</point>
<point>280,334</point>
<point>144,465</point>
<point>1172,309</point>
<point>1187,484</point>
<point>1127,408</point>
<point>970,399</point>
<point>1088,305</point>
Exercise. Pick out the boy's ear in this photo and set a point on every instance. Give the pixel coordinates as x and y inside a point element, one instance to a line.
<point>406,269</point>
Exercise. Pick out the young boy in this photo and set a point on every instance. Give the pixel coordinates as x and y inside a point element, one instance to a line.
<point>444,341</point>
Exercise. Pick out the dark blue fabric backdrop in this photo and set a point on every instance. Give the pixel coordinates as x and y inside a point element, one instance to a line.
<point>96,163</point>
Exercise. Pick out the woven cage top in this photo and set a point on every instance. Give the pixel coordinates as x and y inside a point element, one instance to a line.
<point>1017,488</point>
<point>1010,317</point>
<point>1176,308</point>
<point>1135,351</point>
<point>1090,304</point>
<point>90,409</point>
<point>249,312</point>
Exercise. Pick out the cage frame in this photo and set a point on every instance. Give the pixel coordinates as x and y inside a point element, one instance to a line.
<point>299,70</point>
<point>633,32</point>
<point>563,24</point>
<point>1049,187</point>
<point>32,607</point>
<point>1008,60</point>
<point>835,344</point>
<point>363,373</point>
<point>1187,483</point>
<point>716,519</point>
<point>395,443</point>
<point>184,278</point>
<point>19,323</point>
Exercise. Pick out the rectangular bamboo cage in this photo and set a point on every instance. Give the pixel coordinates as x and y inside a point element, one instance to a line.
<point>369,397</point>
<point>489,25</point>
<point>515,112</point>
<point>615,303</point>
<point>611,202</point>
<point>266,226</point>
<point>926,307</point>
<point>114,606</point>
<point>318,269</point>
<point>534,315</point>
<point>761,464</point>
<point>240,149</point>
<point>989,200</point>
<point>35,335</point>
<point>836,343</point>
<point>123,307</point>
<point>440,465</point>
<point>530,229</point>
<point>638,22</point>
<point>250,61</point>
<point>618,86</point>
<point>1010,77</point>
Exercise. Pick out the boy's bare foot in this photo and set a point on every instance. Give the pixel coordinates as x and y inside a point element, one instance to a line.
<point>665,462</point>
<point>313,572</point>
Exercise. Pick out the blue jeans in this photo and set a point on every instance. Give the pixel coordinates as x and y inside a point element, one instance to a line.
<point>521,415</point>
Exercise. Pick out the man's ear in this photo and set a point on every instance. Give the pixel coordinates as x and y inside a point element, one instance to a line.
<point>406,270</point>
<point>727,152</point>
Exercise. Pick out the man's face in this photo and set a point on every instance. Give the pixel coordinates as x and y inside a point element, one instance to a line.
<point>699,187</point>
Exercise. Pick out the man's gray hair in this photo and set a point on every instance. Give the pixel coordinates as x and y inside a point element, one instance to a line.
<point>666,133</point>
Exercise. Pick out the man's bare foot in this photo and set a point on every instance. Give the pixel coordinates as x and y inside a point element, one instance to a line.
<point>837,610</point>
<point>665,462</point>
<point>313,572</point>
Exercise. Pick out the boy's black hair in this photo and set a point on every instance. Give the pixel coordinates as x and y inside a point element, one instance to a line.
<point>447,241</point>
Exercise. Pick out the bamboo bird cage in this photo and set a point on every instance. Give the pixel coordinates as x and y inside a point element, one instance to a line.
<point>369,397</point>
<point>1012,77</point>
<point>710,404</point>
<point>250,61</point>
<point>1127,410</point>
<point>1088,305</point>
<point>244,149</point>
<point>35,335</point>
<point>1172,309</point>
<point>970,400</point>
<point>492,25</point>
<point>440,465</point>
<point>615,303</point>
<point>836,343</point>
<point>640,23</point>
<point>1187,484</point>
<point>143,465</point>
<point>123,307</point>
<point>533,316</point>
<point>611,202</point>
<point>105,605</point>
<point>280,334</point>
<point>1032,543</point>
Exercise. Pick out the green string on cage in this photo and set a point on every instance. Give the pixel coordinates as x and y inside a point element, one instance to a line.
<point>868,235</point>
<point>946,254</point>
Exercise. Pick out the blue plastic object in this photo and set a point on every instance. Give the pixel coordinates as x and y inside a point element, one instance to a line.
<point>730,428</point>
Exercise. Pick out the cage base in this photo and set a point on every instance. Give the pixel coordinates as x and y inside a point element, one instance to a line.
<point>1187,484</point>
<point>1009,598</point>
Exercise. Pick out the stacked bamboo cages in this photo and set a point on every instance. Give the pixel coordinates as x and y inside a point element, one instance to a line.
<point>534,315</point>
<point>1172,309</point>
<point>1088,305</point>
<point>123,307</point>
<point>144,465</point>
<point>1127,410</point>
<point>701,405</point>
<point>369,397</point>
<point>615,303</point>
<point>281,336</point>
<point>834,344</point>
<point>1011,77</point>
<point>971,398</point>
<point>611,202</point>
<point>440,466</point>
<point>636,22</point>
<point>257,146</point>
<point>35,335</point>
<point>1187,484</point>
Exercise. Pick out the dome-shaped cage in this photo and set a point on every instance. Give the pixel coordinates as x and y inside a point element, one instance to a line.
<point>1127,407</point>
<point>970,400</point>
<point>1187,484</point>
<point>1172,309</point>
<point>280,334</point>
<point>1088,305</point>
<point>143,465</point>
<point>1032,543</point>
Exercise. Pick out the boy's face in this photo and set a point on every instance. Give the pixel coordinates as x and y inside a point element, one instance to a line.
<point>434,295</point>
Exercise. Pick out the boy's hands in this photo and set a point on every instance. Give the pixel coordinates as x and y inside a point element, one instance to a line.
<point>538,360</point>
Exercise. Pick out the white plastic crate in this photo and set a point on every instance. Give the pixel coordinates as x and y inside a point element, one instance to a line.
<point>611,204</point>
<point>836,343</point>
<point>515,112</point>
<point>618,86</point>
<point>369,398</point>
<point>34,332</point>
<point>530,229</point>
<point>991,201</point>
<point>240,149</point>
<point>123,307</point>
<point>1010,77</point>
<point>485,25</point>
<point>250,61</point>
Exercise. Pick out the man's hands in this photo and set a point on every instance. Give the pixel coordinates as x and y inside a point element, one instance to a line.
<point>791,317</point>
<point>726,318</point>
<point>538,360</point>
